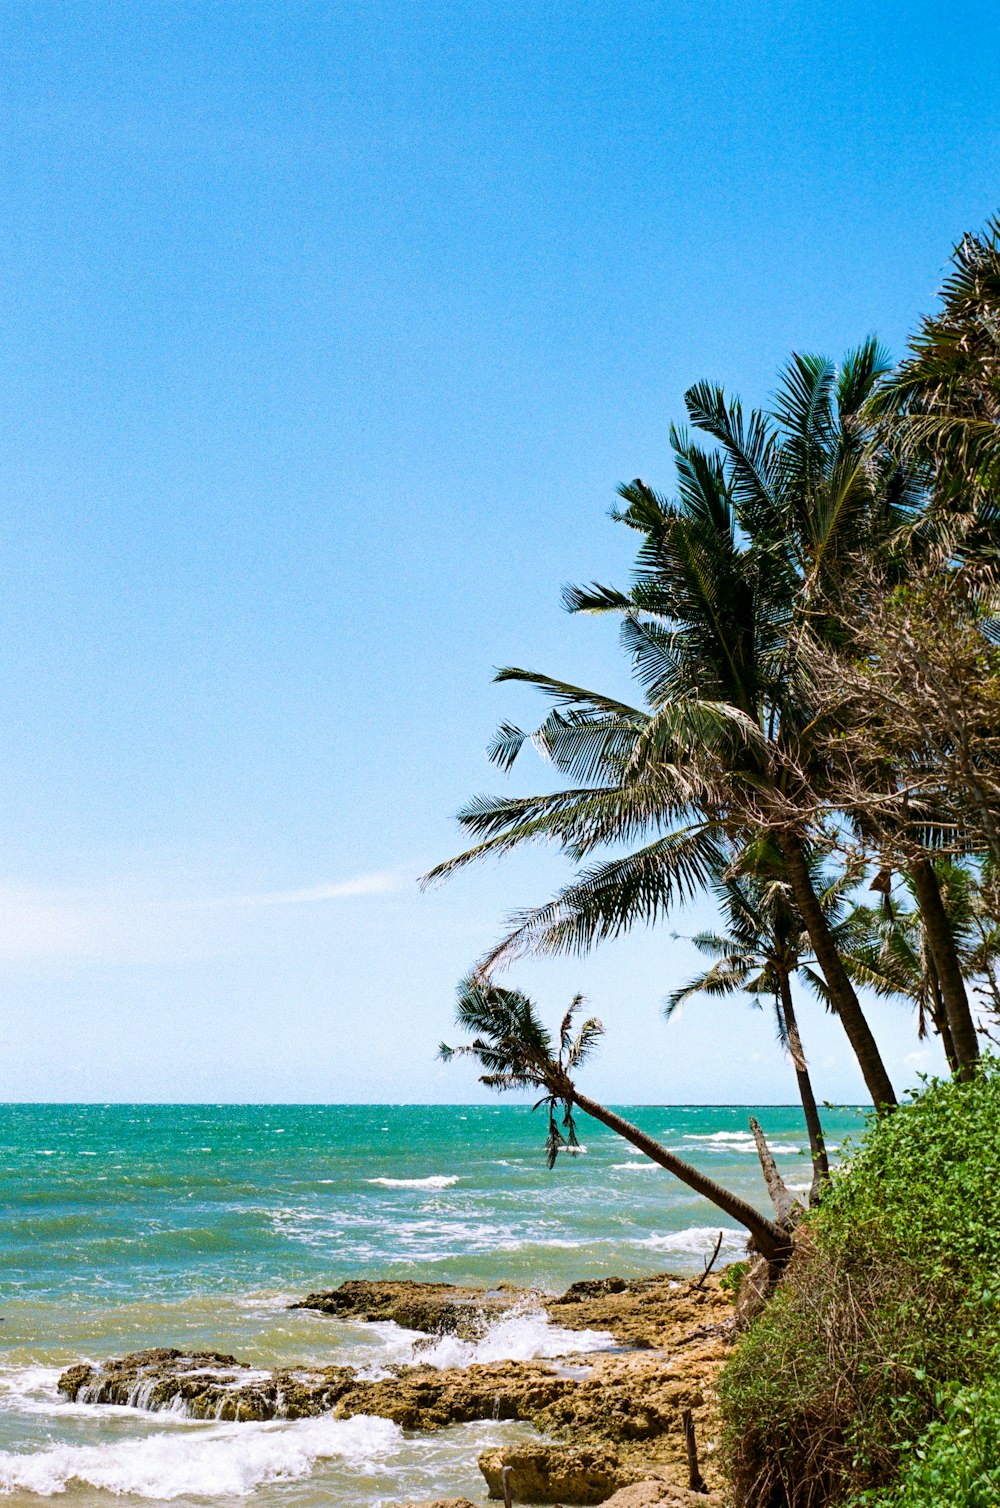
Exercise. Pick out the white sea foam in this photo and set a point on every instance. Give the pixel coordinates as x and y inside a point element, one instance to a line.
<point>633,1167</point>
<point>30,1389</point>
<point>697,1240</point>
<point>740,1141</point>
<point>438,1181</point>
<point>523,1334</point>
<point>228,1460</point>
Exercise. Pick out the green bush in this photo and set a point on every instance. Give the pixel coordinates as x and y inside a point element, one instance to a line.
<point>889,1306</point>
<point>957,1461</point>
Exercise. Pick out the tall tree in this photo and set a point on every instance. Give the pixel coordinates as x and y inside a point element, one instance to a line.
<point>889,947</point>
<point>764,946</point>
<point>733,580</point>
<point>942,404</point>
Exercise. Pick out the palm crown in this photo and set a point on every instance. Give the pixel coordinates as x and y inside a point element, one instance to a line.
<point>517,1050</point>
<point>734,580</point>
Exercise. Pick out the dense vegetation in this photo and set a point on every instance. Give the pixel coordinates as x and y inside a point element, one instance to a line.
<point>887,1315</point>
<point>813,630</point>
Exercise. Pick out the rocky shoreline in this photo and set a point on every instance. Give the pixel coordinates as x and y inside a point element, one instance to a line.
<point>611,1418</point>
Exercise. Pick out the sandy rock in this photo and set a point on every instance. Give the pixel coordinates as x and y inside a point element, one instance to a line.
<point>435,1308</point>
<point>554,1473</point>
<point>658,1312</point>
<point>657,1494</point>
<point>662,1313</point>
<point>442,1503</point>
<point>674,1336</point>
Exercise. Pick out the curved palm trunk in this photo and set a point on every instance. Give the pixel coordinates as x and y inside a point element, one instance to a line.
<point>817,1145</point>
<point>947,966</point>
<point>773,1242</point>
<point>842,996</point>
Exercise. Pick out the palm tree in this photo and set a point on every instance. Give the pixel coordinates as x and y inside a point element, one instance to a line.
<point>889,948</point>
<point>733,580</point>
<point>517,1050</point>
<point>943,402</point>
<point>763,947</point>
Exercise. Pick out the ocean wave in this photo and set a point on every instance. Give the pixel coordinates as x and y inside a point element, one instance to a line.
<point>697,1240</point>
<point>228,1460</point>
<point>631,1167</point>
<point>438,1181</point>
<point>523,1334</point>
<point>741,1141</point>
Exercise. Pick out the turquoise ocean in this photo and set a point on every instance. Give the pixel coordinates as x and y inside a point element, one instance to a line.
<point>125,1226</point>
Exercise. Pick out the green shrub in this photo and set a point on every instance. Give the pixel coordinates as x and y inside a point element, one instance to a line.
<point>956,1462</point>
<point>888,1306</point>
<point>732,1276</point>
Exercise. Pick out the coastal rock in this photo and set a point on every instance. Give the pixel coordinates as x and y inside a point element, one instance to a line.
<point>661,1312</point>
<point>673,1337</point>
<point>435,1308</point>
<point>554,1473</point>
<point>628,1401</point>
<point>428,1398</point>
<point>442,1503</point>
<point>206,1385</point>
<point>658,1494</point>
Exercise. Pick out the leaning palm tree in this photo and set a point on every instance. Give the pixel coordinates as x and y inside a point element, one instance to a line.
<point>763,947</point>
<point>518,1052</point>
<point>733,580</point>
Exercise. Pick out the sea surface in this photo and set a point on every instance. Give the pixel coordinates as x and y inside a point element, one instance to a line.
<point>125,1226</point>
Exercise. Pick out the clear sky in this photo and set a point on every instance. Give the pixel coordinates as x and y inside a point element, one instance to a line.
<point>328,330</point>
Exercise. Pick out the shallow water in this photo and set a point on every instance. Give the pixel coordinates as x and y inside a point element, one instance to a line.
<point>130,1226</point>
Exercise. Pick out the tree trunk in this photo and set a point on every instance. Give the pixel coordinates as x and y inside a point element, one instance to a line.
<point>817,1146</point>
<point>940,941</point>
<point>769,1238</point>
<point>940,1018</point>
<point>842,996</point>
<point>782,1198</point>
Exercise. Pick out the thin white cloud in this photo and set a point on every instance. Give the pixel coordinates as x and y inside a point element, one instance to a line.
<point>142,922</point>
<point>381,882</point>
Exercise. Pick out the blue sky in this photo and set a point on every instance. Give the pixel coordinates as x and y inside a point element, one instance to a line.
<point>328,330</point>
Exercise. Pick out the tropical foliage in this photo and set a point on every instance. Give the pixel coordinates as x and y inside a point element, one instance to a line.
<point>812,629</point>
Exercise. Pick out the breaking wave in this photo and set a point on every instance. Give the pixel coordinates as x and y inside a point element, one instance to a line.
<point>742,1141</point>
<point>227,1460</point>
<point>438,1181</point>
<point>522,1335</point>
<point>697,1240</point>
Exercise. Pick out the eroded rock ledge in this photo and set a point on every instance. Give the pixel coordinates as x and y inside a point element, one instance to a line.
<point>622,1405</point>
<point>434,1308</point>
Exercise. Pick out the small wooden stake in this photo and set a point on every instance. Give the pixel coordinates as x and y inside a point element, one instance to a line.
<point>696,1481</point>
<point>505,1479</point>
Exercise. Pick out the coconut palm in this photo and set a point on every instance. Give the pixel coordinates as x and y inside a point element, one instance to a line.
<point>763,947</point>
<point>943,401</point>
<point>518,1052</point>
<point>889,949</point>
<point>733,580</point>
